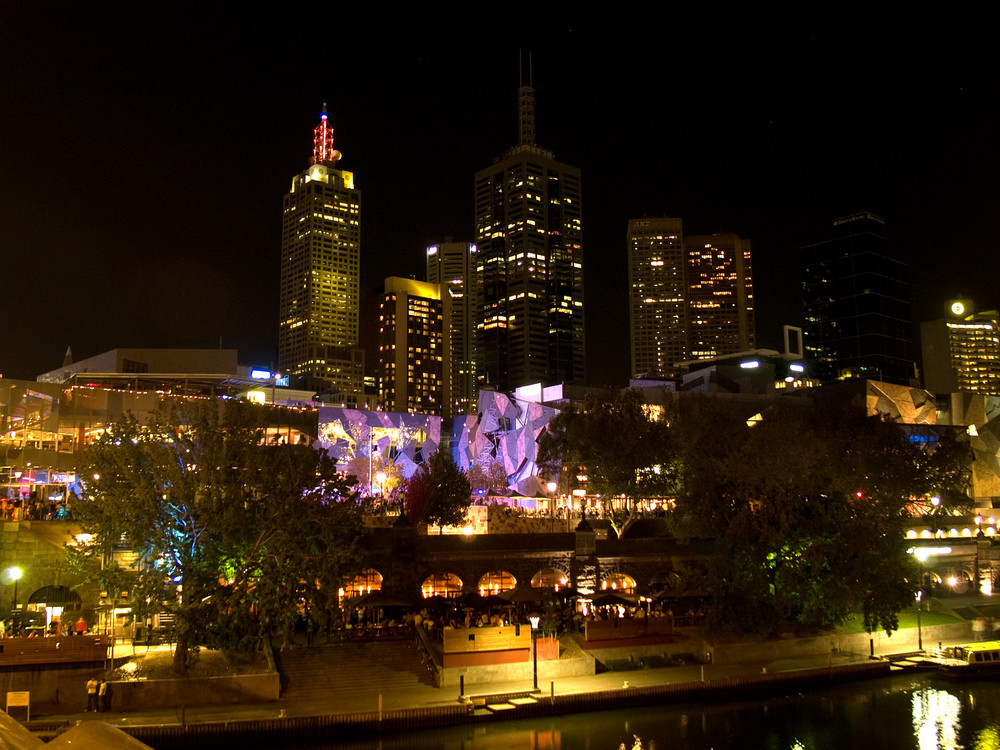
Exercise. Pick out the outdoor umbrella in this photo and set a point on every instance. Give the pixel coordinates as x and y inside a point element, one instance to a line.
<point>522,594</point>
<point>612,597</point>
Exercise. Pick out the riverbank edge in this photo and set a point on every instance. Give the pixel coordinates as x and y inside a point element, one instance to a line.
<point>363,724</point>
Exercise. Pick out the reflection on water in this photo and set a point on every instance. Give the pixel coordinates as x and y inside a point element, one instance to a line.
<point>987,738</point>
<point>937,717</point>
<point>898,713</point>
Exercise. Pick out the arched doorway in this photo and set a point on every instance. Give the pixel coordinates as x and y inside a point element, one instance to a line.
<point>496,581</point>
<point>441,584</point>
<point>549,578</point>
<point>367,581</point>
<point>48,606</point>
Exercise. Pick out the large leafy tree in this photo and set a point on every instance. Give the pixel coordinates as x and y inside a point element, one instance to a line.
<point>620,447</point>
<point>235,536</point>
<point>438,492</point>
<point>810,509</point>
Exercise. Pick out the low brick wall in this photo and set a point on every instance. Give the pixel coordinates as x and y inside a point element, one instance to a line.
<point>608,630</point>
<point>209,691</point>
<point>53,650</point>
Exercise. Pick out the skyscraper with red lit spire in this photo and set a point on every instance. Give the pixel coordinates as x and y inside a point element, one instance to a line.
<point>320,277</point>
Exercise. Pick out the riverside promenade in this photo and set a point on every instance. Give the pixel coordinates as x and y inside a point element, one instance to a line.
<point>371,704</point>
<point>365,711</point>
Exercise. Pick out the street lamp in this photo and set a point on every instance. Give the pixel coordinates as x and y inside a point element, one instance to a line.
<point>551,487</point>
<point>14,573</point>
<point>534,620</point>
<point>920,632</point>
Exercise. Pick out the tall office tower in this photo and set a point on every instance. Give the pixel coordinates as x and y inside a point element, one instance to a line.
<point>414,356</point>
<point>689,298</point>
<point>720,296</point>
<point>529,266</point>
<point>962,351</point>
<point>856,304</point>
<point>320,272</point>
<point>657,271</point>
<point>452,265</point>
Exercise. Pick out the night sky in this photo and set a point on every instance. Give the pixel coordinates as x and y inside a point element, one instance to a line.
<point>144,154</point>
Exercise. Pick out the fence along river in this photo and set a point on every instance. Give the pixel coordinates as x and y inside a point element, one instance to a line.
<point>904,712</point>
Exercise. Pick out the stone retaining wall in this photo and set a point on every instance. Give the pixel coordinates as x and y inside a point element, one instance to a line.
<point>520,672</point>
<point>208,691</point>
<point>858,643</point>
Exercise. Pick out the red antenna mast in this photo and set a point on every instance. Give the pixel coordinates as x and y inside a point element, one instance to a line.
<point>323,150</point>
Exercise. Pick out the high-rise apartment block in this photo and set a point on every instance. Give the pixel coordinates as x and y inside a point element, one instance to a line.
<point>689,298</point>
<point>320,273</point>
<point>414,356</point>
<point>961,351</point>
<point>529,265</point>
<point>657,296</point>
<point>720,295</point>
<point>453,266</point>
<point>856,304</point>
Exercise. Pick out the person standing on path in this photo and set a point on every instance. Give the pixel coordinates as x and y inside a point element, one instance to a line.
<point>92,694</point>
<point>104,696</point>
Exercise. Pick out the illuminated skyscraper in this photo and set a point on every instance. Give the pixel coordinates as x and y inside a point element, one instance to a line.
<point>857,308</point>
<point>962,351</point>
<point>720,296</point>
<point>689,298</point>
<point>529,265</point>
<point>453,265</point>
<point>414,357</point>
<point>320,272</point>
<point>657,271</point>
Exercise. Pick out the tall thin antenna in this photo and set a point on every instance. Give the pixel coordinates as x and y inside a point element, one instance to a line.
<point>323,150</point>
<point>525,104</point>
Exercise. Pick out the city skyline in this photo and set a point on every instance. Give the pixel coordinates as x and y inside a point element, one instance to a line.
<point>159,238</point>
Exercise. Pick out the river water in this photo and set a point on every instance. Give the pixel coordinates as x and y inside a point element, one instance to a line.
<point>893,713</point>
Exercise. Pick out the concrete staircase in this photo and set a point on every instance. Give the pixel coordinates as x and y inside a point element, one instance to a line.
<point>484,705</point>
<point>326,672</point>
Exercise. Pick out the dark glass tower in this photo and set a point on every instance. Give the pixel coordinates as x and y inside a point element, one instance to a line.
<point>856,304</point>
<point>529,269</point>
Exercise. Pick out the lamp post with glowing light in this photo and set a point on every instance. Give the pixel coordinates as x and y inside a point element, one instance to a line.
<point>551,487</point>
<point>922,554</point>
<point>920,632</point>
<point>534,620</point>
<point>14,573</point>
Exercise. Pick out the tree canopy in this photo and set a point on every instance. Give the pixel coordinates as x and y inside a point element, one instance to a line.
<point>622,450</point>
<point>233,535</point>
<point>807,505</point>
<point>809,508</point>
<point>438,493</point>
